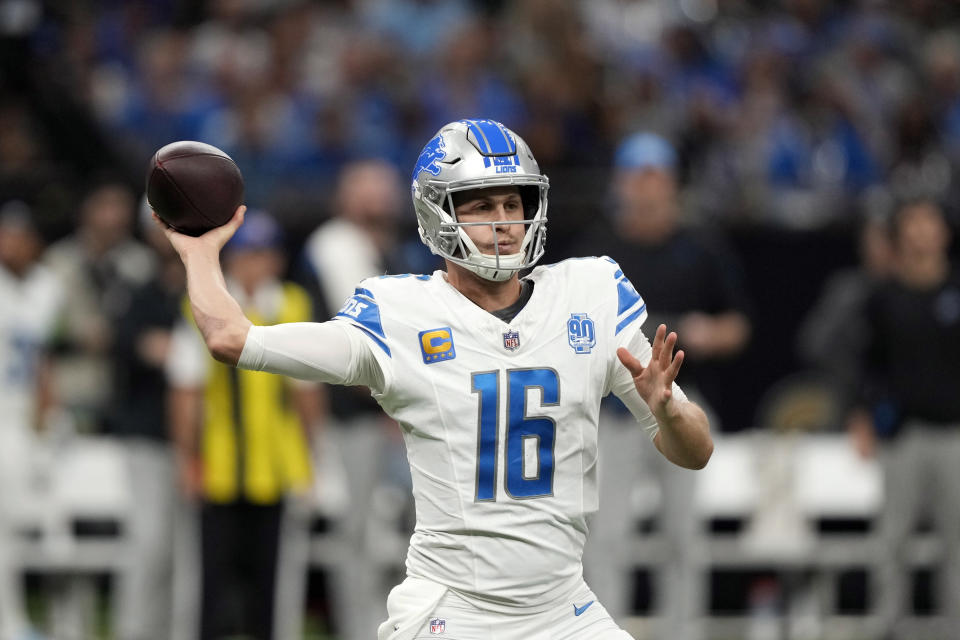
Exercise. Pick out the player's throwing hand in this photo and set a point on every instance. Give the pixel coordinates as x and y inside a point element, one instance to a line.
<point>212,240</point>
<point>654,382</point>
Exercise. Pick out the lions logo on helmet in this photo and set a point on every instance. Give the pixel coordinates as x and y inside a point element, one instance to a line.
<point>475,154</point>
<point>430,157</point>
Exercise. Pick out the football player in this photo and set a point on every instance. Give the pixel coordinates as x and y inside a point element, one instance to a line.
<point>496,382</point>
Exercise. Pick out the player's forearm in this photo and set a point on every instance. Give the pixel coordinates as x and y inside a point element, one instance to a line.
<point>218,316</point>
<point>685,438</point>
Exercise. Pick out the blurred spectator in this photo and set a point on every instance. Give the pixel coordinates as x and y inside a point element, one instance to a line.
<point>138,414</point>
<point>158,101</point>
<point>697,80</point>
<point>467,81</point>
<point>624,30</point>
<point>357,243</point>
<point>243,445</point>
<point>371,99</point>
<point>349,78</point>
<point>911,372</point>
<point>941,69</point>
<point>560,77</point>
<point>26,171</point>
<point>689,278</point>
<point>730,182</point>
<point>417,26</point>
<point>873,75</point>
<point>833,335</point>
<point>817,155</point>
<point>31,299</point>
<point>97,265</point>
<point>922,166</point>
<point>694,287</point>
<point>260,119</point>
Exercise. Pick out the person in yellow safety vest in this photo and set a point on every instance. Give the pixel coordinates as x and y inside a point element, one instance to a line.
<point>243,442</point>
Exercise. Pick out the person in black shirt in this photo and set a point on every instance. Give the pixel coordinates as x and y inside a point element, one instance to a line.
<point>688,275</point>
<point>833,335</point>
<point>695,284</point>
<point>910,402</point>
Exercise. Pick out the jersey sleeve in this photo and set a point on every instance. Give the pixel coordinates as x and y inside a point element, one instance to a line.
<point>362,313</point>
<point>330,352</point>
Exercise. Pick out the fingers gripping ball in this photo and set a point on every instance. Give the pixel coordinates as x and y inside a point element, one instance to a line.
<point>193,186</point>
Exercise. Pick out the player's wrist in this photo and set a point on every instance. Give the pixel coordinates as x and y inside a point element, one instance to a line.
<point>669,414</point>
<point>200,256</point>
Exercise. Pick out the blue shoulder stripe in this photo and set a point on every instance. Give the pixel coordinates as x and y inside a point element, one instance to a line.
<point>630,318</point>
<point>380,343</point>
<point>362,311</point>
<point>627,296</point>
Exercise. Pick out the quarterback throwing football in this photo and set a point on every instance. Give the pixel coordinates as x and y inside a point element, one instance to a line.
<point>496,382</point>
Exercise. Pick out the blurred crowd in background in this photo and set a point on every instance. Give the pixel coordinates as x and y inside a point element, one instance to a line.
<point>793,121</point>
<point>787,131</point>
<point>784,113</point>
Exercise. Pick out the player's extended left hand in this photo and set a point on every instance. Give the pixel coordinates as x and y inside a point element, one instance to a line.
<point>654,382</point>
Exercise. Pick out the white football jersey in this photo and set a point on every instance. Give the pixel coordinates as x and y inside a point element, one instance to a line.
<point>500,421</point>
<point>29,309</point>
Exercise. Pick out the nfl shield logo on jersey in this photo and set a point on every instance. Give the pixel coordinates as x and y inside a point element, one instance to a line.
<point>511,340</point>
<point>580,333</point>
<point>438,626</point>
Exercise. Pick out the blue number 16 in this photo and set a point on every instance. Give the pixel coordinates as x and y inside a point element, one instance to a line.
<point>521,427</point>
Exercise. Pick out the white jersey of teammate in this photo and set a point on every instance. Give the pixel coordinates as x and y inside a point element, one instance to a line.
<point>499,419</point>
<point>29,308</point>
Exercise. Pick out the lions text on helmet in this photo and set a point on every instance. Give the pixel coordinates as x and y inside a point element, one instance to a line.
<point>479,154</point>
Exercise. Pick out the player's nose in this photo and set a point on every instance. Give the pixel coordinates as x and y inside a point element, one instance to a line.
<point>500,213</point>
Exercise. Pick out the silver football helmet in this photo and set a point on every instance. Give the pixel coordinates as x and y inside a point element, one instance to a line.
<point>472,154</point>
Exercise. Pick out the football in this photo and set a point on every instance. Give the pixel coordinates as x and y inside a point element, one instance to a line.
<point>193,186</point>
